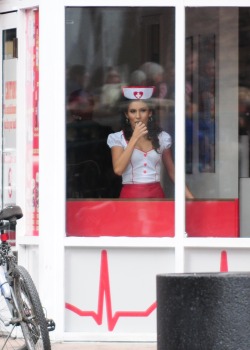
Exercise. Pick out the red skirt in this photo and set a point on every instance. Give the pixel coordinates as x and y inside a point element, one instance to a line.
<point>152,190</point>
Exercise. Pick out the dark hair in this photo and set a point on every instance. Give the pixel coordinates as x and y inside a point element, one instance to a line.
<point>153,128</point>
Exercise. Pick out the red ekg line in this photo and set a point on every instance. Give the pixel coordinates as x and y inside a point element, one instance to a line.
<point>104,293</point>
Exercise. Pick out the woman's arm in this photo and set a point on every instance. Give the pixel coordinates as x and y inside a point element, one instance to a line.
<point>169,164</point>
<point>121,157</point>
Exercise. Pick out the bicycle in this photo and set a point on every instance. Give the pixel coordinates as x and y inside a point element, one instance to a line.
<point>23,324</point>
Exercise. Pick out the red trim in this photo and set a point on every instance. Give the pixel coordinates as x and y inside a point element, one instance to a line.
<point>208,218</point>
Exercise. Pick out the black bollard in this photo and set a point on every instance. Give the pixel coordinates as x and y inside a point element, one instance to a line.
<point>203,311</point>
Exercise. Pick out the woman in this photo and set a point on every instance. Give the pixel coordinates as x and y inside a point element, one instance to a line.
<point>139,150</point>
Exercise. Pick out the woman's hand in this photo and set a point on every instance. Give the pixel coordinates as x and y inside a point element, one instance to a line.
<point>169,164</point>
<point>188,193</point>
<point>121,157</point>
<point>140,130</point>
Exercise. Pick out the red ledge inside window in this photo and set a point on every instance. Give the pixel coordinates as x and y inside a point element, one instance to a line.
<point>204,218</point>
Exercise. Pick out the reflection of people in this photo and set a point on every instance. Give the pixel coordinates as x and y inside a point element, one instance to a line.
<point>80,102</point>
<point>244,111</point>
<point>138,78</point>
<point>155,76</point>
<point>207,116</point>
<point>140,148</point>
<point>191,71</point>
<point>111,90</point>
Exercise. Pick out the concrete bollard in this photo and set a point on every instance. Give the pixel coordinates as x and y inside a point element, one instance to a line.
<point>203,311</point>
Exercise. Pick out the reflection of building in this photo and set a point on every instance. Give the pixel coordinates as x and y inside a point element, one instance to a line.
<point>127,265</point>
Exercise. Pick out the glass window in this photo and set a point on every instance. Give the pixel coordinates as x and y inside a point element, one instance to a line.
<point>9,116</point>
<point>217,84</point>
<point>106,49</point>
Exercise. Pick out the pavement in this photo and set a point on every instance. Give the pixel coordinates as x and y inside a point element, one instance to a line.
<point>103,346</point>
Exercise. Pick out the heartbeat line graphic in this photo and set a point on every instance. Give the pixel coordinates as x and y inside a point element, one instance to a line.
<point>104,293</point>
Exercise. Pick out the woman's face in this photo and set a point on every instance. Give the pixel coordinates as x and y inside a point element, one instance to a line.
<point>138,111</point>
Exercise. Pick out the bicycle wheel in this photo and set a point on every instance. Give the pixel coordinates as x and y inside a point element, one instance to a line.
<point>33,323</point>
<point>11,337</point>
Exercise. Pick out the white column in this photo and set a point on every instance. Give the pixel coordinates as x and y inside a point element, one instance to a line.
<point>179,135</point>
<point>52,161</point>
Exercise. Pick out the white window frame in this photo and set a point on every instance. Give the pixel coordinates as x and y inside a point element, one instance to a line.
<point>52,149</point>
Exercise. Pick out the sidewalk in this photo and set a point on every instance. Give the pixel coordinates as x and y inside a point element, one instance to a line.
<point>103,346</point>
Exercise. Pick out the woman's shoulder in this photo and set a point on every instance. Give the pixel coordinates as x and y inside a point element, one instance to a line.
<point>164,135</point>
<point>116,135</point>
<point>116,139</point>
<point>165,139</point>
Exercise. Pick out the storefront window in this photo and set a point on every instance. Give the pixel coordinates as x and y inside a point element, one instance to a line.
<point>107,49</point>
<point>215,44</point>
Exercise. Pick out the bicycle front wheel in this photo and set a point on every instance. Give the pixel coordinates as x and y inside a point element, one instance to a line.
<point>33,323</point>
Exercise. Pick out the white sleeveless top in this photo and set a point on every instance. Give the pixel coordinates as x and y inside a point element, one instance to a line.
<point>144,167</point>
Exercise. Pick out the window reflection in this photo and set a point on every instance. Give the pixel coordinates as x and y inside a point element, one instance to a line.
<point>217,101</point>
<point>123,46</point>
<point>107,48</point>
<point>211,102</point>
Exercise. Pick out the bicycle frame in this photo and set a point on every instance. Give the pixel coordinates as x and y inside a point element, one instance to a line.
<point>22,299</point>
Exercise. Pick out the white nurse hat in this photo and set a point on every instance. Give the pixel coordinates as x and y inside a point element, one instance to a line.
<point>138,92</point>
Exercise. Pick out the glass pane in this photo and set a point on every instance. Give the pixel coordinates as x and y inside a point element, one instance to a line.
<point>244,120</point>
<point>130,46</point>
<point>32,120</point>
<point>9,116</point>
<point>212,120</point>
<point>8,127</point>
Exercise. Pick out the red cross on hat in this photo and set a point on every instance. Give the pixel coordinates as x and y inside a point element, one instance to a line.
<point>138,92</point>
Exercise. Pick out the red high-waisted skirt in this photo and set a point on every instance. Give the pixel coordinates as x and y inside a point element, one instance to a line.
<point>151,190</point>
